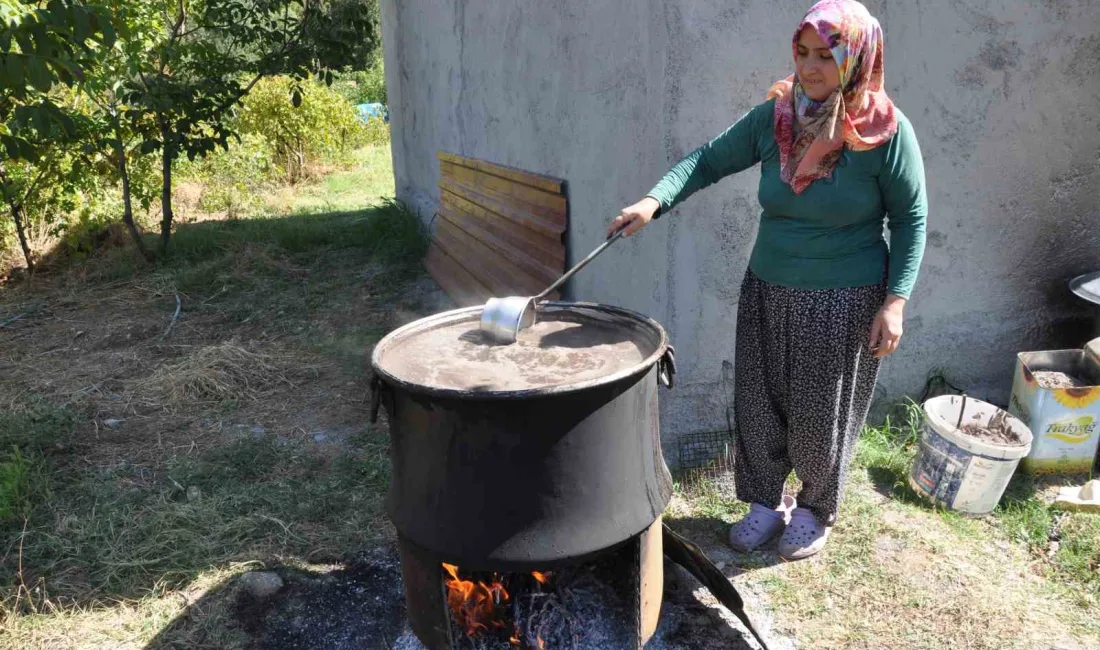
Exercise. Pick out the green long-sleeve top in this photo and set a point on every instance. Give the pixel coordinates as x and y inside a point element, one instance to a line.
<point>831,235</point>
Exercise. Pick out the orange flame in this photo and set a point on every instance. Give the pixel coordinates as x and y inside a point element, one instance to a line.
<point>542,644</point>
<point>543,578</point>
<point>474,605</point>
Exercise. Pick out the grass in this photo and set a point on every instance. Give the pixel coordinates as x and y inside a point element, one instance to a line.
<point>14,484</point>
<point>30,431</point>
<point>901,574</point>
<point>126,532</point>
<point>236,442</point>
<point>343,190</point>
<point>1024,516</point>
<point>134,534</point>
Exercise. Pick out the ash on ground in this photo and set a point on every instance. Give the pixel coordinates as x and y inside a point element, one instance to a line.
<point>361,605</point>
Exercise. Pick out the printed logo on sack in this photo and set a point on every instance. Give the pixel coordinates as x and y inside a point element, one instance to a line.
<point>1072,430</point>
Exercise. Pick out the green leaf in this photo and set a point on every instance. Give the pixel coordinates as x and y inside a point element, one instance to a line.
<point>67,69</point>
<point>24,41</point>
<point>148,147</point>
<point>11,146</point>
<point>68,125</point>
<point>109,34</point>
<point>13,71</point>
<point>43,44</point>
<point>27,150</point>
<point>39,75</point>
<point>41,121</point>
<point>82,24</point>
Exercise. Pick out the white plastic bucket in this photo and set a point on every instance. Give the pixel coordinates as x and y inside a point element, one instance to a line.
<point>957,470</point>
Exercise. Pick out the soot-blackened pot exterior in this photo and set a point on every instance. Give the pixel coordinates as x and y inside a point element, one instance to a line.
<point>532,481</point>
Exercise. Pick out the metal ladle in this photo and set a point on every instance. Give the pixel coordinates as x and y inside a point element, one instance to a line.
<point>503,318</point>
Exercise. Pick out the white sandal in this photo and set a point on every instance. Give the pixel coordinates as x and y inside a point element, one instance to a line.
<point>760,525</point>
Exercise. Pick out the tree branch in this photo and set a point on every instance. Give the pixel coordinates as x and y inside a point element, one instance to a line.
<point>299,32</point>
<point>174,34</point>
<point>30,188</point>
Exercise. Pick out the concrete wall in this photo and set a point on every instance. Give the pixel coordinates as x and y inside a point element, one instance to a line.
<point>1004,97</point>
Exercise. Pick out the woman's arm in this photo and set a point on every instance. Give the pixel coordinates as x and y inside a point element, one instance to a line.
<point>736,149</point>
<point>905,198</point>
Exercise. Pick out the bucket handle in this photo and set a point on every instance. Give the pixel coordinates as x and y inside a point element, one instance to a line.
<point>666,367</point>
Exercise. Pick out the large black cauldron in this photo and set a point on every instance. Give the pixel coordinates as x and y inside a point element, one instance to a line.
<point>522,457</point>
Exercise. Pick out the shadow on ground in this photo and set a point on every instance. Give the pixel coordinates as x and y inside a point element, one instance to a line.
<point>360,606</point>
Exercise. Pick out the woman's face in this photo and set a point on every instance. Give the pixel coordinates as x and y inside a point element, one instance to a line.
<point>817,71</point>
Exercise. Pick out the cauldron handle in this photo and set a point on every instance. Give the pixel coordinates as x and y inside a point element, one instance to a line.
<point>666,367</point>
<point>377,387</point>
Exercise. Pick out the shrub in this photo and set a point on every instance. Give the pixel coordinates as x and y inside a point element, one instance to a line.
<point>232,179</point>
<point>363,86</point>
<point>376,131</point>
<point>323,127</point>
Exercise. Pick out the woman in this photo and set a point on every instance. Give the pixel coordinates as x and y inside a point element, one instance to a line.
<point>823,297</point>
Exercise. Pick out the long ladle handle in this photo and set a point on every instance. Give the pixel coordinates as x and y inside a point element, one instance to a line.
<point>591,256</point>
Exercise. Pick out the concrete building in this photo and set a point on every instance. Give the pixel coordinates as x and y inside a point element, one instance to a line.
<point>1004,96</point>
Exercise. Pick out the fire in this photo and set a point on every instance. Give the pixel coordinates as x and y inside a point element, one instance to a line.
<point>479,607</point>
<point>474,605</point>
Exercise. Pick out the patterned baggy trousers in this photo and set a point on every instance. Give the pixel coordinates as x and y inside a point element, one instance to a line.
<point>804,380</point>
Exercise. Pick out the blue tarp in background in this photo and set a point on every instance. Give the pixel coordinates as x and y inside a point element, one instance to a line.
<point>367,111</point>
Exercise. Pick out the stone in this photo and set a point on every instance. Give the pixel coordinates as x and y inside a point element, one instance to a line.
<point>261,585</point>
<point>112,423</point>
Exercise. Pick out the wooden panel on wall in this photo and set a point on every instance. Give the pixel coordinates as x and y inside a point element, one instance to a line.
<point>501,231</point>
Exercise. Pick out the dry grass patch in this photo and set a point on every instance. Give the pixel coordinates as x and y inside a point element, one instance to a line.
<point>217,373</point>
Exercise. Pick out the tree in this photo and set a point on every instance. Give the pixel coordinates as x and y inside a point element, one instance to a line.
<point>209,55</point>
<point>118,130</point>
<point>42,44</point>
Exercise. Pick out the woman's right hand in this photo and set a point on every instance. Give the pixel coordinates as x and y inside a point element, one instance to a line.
<point>633,218</point>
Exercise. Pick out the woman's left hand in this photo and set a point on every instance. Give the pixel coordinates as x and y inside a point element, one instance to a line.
<point>887,329</point>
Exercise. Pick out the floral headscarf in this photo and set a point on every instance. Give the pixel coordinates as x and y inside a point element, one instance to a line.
<point>858,114</point>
